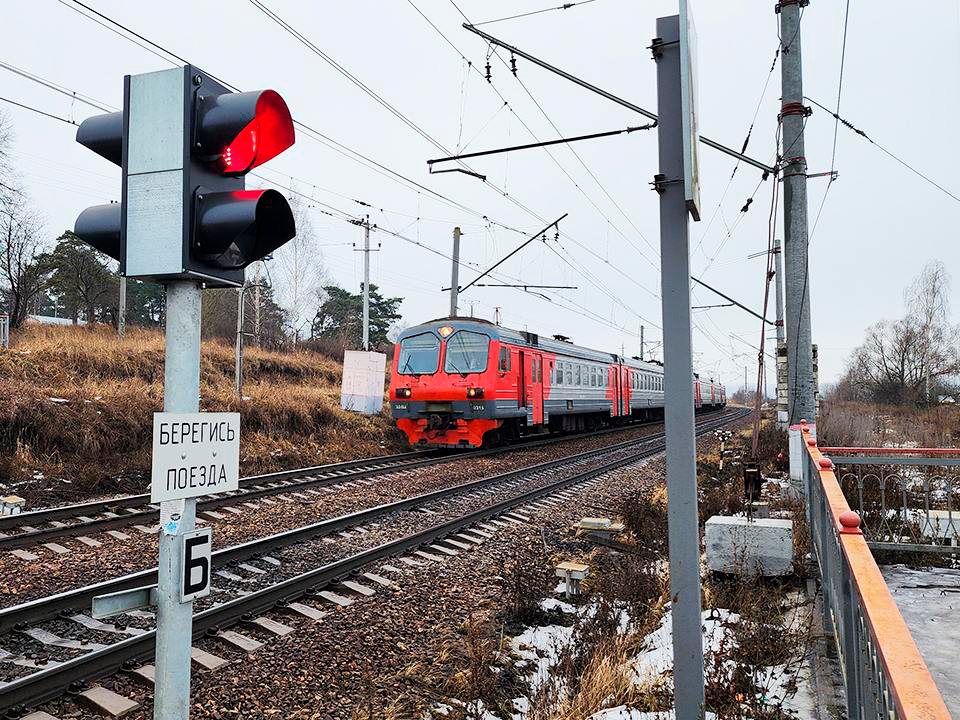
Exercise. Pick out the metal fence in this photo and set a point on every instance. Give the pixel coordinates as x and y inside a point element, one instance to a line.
<point>884,675</point>
<point>4,332</point>
<point>907,498</point>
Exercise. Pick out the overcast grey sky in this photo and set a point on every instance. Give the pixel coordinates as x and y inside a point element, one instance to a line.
<point>878,228</point>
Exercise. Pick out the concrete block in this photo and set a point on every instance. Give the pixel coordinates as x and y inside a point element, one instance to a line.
<point>106,702</point>
<point>24,555</point>
<point>56,548</point>
<point>39,715</point>
<point>88,541</point>
<point>240,642</point>
<point>306,611</point>
<point>205,660</point>
<point>145,674</point>
<point>761,547</point>
<point>358,588</point>
<point>272,626</point>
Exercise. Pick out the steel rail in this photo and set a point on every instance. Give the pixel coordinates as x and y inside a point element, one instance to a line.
<point>332,474</point>
<point>47,684</point>
<point>50,607</point>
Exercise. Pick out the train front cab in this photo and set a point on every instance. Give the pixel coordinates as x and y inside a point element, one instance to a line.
<point>445,384</point>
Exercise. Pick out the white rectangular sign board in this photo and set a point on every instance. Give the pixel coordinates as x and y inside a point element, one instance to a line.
<point>194,454</point>
<point>689,107</point>
<point>363,376</point>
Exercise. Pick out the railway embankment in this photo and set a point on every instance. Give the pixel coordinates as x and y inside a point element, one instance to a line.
<point>76,408</point>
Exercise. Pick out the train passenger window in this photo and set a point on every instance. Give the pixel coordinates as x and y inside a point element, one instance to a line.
<point>568,372</point>
<point>504,364</point>
<point>593,377</point>
<point>419,355</point>
<point>576,375</point>
<point>466,352</point>
<point>558,372</point>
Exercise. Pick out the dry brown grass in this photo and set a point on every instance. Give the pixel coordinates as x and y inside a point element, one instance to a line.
<point>99,438</point>
<point>860,424</point>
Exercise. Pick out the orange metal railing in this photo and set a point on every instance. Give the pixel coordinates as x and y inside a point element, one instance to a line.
<point>884,673</point>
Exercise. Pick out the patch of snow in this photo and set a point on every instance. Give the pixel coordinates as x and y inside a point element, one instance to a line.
<point>657,658</point>
<point>549,604</point>
<point>929,600</point>
<point>542,647</point>
<point>622,712</point>
<point>58,401</point>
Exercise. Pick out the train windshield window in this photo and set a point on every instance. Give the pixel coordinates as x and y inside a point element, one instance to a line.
<point>419,355</point>
<point>466,352</point>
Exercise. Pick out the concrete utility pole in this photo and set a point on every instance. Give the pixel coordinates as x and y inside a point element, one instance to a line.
<point>794,173</point>
<point>366,283</point>
<point>455,272</point>
<point>181,394</point>
<point>256,305</point>
<point>675,98</point>
<point>122,309</point>
<point>783,392</point>
<point>641,342</point>
<point>238,368</point>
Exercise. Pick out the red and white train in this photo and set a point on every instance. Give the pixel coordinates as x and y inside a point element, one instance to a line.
<point>463,383</point>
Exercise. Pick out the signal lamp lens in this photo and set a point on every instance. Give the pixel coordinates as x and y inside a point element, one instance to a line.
<point>445,331</point>
<point>474,392</point>
<point>404,392</point>
<point>268,134</point>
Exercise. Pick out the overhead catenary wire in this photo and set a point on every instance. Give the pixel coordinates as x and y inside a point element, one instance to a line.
<point>573,151</point>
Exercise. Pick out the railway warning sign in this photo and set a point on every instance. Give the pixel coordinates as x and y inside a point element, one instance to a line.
<point>194,454</point>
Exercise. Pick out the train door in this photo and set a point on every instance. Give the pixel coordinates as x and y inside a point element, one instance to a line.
<point>614,374</point>
<point>522,381</point>
<point>625,395</point>
<point>536,387</point>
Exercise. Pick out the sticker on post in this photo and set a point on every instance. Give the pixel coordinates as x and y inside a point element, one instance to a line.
<point>194,454</point>
<point>171,515</point>
<point>195,580</point>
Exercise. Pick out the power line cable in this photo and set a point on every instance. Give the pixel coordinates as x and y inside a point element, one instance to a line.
<point>864,135</point>
<point>38,111</point>
<point>565,6</point>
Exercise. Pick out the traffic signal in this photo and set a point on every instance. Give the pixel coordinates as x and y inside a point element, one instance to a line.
<point>185,143</point>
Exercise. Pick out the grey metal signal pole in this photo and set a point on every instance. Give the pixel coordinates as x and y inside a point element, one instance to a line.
<point>794,173</point>
<point>181,394</point>
<point>122,309</point>
<point>683,524</point>
<point>641,342</point>
<point>366,283</point>
<point>238,369</point>
<point>455,272</point>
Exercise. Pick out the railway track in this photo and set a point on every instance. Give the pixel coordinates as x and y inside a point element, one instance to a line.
<point>84,519</point>
<point>274,588</point>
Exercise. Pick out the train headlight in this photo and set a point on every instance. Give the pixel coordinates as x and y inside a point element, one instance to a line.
<point>404,392</point>
<point>474,392</point>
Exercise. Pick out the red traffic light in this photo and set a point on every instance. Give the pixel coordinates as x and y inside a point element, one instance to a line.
<point>239,131</point>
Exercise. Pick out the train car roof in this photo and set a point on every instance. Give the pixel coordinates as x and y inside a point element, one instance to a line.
<point>528,339</point>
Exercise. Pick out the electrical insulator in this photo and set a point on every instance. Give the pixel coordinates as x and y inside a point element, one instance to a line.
<point>513,64</point>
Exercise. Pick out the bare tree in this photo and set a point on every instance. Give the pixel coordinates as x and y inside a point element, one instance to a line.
<point>299,272</point>
<point>928,306</point>
<point>21,247</point>
<point>899,361</point>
